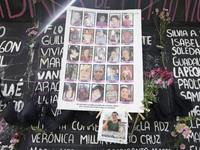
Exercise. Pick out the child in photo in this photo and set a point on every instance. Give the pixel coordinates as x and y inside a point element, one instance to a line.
<point>76,18</point>
<point>102,20</point>
<point>100,54</point>
<point>101,36</point>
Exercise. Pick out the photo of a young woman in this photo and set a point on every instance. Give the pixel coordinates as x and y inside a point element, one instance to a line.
<point>73,53</point>
<point>85,72</point>
<point>97,93</point>
<point>83,92</point>
<point>69,91</point>
<point>126,94</point>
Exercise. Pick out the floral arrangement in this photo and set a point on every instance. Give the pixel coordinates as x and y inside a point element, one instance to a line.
<point>32,33</point>
<point>154,80</point>
<point>18,135</point>
<point>161,21</point>
<point>181,131</point>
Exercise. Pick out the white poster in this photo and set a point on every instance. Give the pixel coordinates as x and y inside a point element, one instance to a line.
<point>102,60</point>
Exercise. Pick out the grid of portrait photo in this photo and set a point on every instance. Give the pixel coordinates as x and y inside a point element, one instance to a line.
<point>98,60</point>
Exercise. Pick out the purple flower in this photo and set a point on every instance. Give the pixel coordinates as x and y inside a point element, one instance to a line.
<point>183,125</point>
<point>165,9</point>
<point>29,29</point>
<point>168,19</point>
<point>16,134</point>
<point>182,146</point>
<point>156,10</point>
<point>32,33</point>
<point>14,141</point>
<point>162,12</point>
<point>159,81</point>
<point>188,129</point>
<point>161,16</point>
<point>167,14</point>
<point>170,81</point>
<point>173,134</point>
<point>179,129</point>
<point>186,135</point>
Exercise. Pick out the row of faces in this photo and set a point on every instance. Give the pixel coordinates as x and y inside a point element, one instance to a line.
<point>99,54</point>
<point>96,94</point>
<point>101,37</point>
<point>98,73</point>
<point>90,19</point>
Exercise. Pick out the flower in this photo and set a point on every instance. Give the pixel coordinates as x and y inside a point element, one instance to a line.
<point>182,146</point>
<point>183,125</point>
<point>15,135</point>
<point>153,80</point>
<point>188,129</point>
<point>168,19</point>
<point>14,141</point>
<point>186,135</point>
<point>32,33</point>
<point>179,129</point>
<point>161,16</point>
<point>173,134</point>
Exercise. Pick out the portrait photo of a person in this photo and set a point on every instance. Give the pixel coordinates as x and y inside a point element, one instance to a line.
<point>76,18</point>
<point>112,123</point>
<point>99,54</point>
<point>111,93</point>
<point>127,20</point>
<point>114,20</point>
<point>113,126</point>
<point>69,91</point>
<point>113,54</point>
<point>88,36</point>
<point>98,72</point>
<point>86,53</point>
<point>127,36</point>
<point>126,93</point>
<point>74,36</point>
<point>85,72</point>
<point>97,93</point>
<point>101,37</point>
<point>102,20</point>
<point>83,92</point>
<point>89,18</point>
<point>126,72</point>
<point>71,71</point>
<point>112,73</point>
<point>127,54</point>
<point>114,37</point>
<point>73,53</point>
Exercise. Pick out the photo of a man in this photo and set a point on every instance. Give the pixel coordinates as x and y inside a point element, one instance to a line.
<point>127,54</point>
<point>113,126</point>
<point>111,93</point>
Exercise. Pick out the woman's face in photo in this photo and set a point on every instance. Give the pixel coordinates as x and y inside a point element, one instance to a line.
<point>89,16</point>
<point>86,52</point>
<point>86,31</point>
<point>82,89</point>
<point>96,94</point>
<point>73,51</point>
<point>85,74</point>
<point>124,93</point>
<point>102,18</point>
<point>70,88</point>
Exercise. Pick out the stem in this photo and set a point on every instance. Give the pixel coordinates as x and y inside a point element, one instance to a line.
<point>136,120</point>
